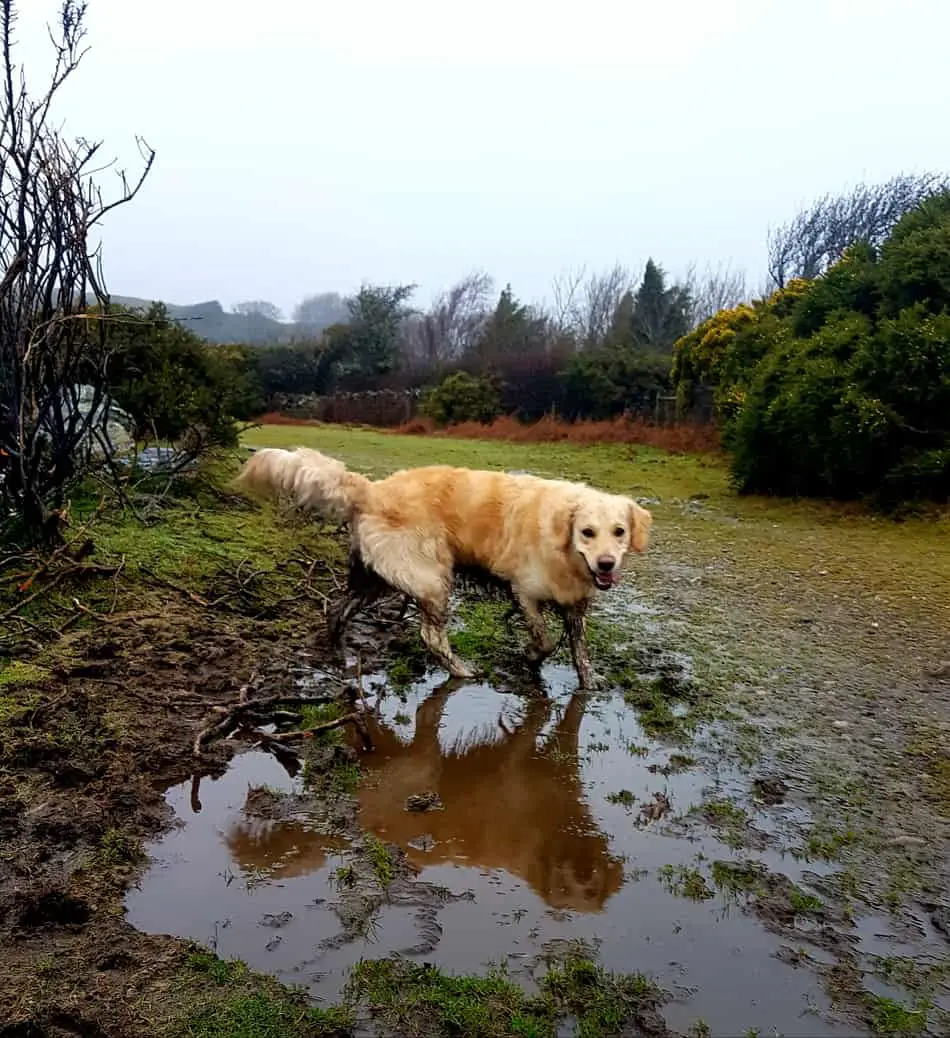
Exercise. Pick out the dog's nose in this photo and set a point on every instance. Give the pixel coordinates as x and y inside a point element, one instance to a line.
<point>605,563</point>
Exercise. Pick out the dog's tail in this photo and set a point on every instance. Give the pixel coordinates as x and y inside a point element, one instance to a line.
<point>310,479</point>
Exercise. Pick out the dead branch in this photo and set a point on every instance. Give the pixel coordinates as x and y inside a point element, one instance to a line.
<point>247,715</point>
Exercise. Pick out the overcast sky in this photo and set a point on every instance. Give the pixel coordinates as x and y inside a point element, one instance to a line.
<point>306,145</point>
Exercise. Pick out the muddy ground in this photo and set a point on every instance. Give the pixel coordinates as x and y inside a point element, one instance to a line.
<point>789,724</point>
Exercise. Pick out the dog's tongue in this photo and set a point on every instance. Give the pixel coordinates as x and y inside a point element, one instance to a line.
<point>615,576</point>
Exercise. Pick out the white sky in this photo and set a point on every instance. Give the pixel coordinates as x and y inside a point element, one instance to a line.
<point>305,146</point>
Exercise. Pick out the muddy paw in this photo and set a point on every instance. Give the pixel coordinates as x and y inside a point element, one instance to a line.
<point>594,683</point>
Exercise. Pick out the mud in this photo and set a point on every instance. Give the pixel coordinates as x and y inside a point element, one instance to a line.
<point>541,825</point>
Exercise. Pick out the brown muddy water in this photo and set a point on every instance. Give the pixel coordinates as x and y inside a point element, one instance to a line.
<point>548,831</point>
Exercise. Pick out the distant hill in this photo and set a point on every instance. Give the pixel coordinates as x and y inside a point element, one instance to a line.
<point>212,322</point>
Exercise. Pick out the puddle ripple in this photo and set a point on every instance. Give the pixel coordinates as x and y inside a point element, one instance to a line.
<point>526,829</point>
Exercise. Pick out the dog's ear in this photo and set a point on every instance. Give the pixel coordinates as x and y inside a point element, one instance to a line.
<point>640,522</point>
<point>563,522</point>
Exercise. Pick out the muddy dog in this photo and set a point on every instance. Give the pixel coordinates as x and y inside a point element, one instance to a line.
<point>552,542</point>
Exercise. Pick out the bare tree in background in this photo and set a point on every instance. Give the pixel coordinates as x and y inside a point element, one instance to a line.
<point>819,235</point>
<point>452,324</point>
<point>259,308</point>
<point>719,288</point>
<point>50,272</point>
<point>584,306</point>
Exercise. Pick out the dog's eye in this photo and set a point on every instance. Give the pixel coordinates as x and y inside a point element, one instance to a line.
<point>587,532</point>
<point>619,531</point>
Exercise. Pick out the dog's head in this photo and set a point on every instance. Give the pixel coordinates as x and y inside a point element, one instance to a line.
<point>603,530</point>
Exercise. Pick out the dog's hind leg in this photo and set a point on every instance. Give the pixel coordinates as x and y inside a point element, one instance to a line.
<point>364,586</point>
<point>437,640</point>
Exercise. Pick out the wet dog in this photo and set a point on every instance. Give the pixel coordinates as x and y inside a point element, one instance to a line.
<point>552,542</point>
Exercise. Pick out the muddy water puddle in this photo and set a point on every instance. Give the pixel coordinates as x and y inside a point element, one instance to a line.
<point>551,821</point>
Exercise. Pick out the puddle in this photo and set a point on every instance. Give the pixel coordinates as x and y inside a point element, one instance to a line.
<point>537,829</point>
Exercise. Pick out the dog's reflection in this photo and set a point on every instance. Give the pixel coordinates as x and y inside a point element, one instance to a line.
<point>511,803</point>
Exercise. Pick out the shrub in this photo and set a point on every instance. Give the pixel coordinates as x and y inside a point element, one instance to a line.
<point>462,398</point>
<point>174,385</point>
<point>841,387</point>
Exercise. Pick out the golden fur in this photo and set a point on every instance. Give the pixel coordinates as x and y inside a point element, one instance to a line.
<point>550,541</point>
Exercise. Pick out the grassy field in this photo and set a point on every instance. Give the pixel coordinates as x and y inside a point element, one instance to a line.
<point>819,633</point>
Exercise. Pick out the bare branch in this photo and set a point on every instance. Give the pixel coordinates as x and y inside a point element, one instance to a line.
<point>54,407</point>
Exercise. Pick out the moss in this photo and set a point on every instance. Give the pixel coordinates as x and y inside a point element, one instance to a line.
<point>15,673</point>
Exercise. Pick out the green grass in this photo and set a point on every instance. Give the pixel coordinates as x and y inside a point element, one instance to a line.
<point>261,1015</point>
<point>738,877</point>
<point>683,881</point>
<point>16,673</point>
<point>802,903</point>
<point>235,1003</point>
<point>380,860</point>
<point>893,1018</point>
<point>420,1000</point>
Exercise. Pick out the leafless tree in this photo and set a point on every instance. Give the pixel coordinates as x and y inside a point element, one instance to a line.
<point>258,307</point>
<point>819,235</point>
<point>449,328</point>
<point>584,306</point>
<point>717,288</point>
<point>53,299</point>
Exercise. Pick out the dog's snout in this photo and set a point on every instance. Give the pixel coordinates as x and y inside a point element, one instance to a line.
<point>605,563</point>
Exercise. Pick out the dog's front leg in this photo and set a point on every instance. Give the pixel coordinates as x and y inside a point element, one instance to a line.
<point>577,639</point>
<point>540,646</point>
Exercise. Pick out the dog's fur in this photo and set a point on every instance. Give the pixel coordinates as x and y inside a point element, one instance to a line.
<point>550,541</point>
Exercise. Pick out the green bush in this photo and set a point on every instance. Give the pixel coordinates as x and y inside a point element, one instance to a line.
<point>174,385</point>
<point>603,382</point>
<point>463,398</point>
<point>840,386</point>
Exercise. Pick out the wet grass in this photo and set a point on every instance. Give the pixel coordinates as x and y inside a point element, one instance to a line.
<point>380,860</point>
<point>241,1005</point>
<point>406,998</point>
<point>888,1017</point>
<point>684,881</point>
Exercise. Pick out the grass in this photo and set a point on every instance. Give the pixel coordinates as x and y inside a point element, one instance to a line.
<point>380,860</point>
<point>200,545</point>
<point>738,877</point>
<point>14,673</point>
<point>889,1017</point>
<point>242,1005</point>
<point>421,1000</point>
<point>683,881</point>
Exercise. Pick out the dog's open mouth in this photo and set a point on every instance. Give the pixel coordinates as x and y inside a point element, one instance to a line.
<point>605,581</point>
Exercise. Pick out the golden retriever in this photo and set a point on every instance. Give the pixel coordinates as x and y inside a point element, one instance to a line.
<point>547,541</point>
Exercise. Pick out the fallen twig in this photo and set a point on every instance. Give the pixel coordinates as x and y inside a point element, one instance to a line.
<point>308,733</point>
<point>249,714</point>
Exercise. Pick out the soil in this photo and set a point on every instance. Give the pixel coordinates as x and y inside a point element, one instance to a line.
<point>83,782</point>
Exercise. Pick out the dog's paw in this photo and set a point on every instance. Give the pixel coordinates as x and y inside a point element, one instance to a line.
<point>593,682</point>
<point>463,671</point>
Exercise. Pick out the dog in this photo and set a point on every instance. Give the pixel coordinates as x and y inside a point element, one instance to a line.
<point>548,541</point>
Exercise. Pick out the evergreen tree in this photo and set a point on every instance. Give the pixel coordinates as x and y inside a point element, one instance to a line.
<point>660,314</point>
